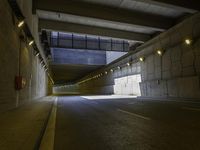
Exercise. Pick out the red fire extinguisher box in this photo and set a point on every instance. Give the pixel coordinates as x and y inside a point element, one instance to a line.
<point>20,82</point>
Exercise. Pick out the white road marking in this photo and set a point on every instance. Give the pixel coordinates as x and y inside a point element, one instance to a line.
<point>189,108</point>
<point>133,114</point>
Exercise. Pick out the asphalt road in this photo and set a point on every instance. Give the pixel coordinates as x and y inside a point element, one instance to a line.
<point>126,124</point>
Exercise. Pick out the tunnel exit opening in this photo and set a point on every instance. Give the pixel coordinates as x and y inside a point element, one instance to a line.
<point>128,85</point>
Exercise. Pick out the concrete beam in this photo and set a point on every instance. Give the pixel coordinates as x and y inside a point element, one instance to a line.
<point>91,30</point>
<point>182,5</point>
<point>105,13</point>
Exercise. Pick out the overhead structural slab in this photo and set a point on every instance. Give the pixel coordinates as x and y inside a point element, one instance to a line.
<point>80,8</point>
<point>92,30</point>
<point>49,15</point>
<point>182,5</point>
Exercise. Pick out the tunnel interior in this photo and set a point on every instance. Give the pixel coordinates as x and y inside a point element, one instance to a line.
<point>120,74</point>
<point>88,48</point>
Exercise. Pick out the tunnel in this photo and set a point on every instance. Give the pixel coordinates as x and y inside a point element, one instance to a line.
<point>99,75</point>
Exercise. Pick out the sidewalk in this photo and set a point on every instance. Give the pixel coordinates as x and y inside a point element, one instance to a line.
<point>21,129</point>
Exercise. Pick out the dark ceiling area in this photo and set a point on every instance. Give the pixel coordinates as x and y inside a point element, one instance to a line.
<point>71,73</point>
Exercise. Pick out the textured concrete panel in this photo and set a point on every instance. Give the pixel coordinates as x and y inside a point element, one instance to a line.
<point>176,69</point>
<point>16,58</point>
<point>192,88</point>
<point>188,58</point>
<point>75,56</point>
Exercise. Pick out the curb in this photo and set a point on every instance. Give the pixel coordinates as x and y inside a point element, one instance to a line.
<point>42,132</point>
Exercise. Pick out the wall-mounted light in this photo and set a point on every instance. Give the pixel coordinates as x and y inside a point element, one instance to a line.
<point>42,62</point>
<point>188,41</point>
<point>141,59</point>
<point>31,42</point>
<point>111,70</point>
<point>159,52</point>
<point>20,23</point>
<point>128,64</point>
<point>106,72</point>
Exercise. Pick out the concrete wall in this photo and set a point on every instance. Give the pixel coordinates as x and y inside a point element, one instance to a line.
<point>105,83</point>
<point>16,58</point>
<point>66,89</point>
<point>175,74</point>
<point>76,56</point>
<point>128,85</point>
<point>111,56</point>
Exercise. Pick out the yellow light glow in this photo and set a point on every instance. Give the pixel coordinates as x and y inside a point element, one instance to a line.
<point>106,72</point>
<point>159,52</point>
<point>20,24</point>
<point>141,59</point>
<point>188,41</point>
<point>31,42</point>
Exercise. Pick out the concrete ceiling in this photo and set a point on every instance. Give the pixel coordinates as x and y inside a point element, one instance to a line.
<point>62,17</point>
<point>170,8</point>
<point>133,16</point>
<point>70,72</point>
<point>134,20</point>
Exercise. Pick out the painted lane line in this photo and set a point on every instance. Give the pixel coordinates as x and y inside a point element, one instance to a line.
<point>133,114</point>
<point>189,108</point>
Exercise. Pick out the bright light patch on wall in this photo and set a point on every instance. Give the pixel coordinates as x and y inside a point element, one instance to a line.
<point>100,97</point>
<point>128,85</point>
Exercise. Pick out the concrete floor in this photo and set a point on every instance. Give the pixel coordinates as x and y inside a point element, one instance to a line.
<point>21,128</point>
<point>85,123</point>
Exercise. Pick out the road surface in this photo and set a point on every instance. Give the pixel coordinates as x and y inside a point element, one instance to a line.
<point>92,123</point>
